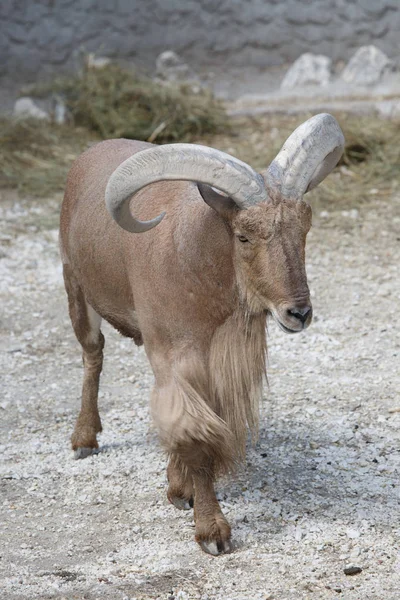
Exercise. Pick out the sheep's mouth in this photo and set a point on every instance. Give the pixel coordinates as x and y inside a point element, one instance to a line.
<point>287,329</point>
<point>284,327</point>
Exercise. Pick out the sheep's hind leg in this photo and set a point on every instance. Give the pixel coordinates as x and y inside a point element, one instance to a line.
<point>180,488</point>
<point>86,323</point>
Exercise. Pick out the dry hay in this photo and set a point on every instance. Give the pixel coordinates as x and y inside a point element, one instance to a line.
<point>115,102</point>
<point>103,103</point>
<point>36,156</point>
<point>370,164</point>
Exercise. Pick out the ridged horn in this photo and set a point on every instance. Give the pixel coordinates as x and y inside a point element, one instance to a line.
<point>306,158</point>
<point>188,162</point>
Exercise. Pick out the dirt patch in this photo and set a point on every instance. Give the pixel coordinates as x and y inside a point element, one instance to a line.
<point>319,492</point>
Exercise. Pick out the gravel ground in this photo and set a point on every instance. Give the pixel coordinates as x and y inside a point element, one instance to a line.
<point>319,493</point>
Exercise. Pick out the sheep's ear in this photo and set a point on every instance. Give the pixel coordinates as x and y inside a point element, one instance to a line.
<point>222,204</point>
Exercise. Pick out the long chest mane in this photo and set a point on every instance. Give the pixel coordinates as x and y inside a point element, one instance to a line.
<point>237,369</point>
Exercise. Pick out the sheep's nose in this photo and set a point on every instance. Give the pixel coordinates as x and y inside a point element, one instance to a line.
<point>300,312</point>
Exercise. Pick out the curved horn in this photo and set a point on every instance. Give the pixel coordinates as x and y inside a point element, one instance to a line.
<point>307,157</point>
<point>189,162</point>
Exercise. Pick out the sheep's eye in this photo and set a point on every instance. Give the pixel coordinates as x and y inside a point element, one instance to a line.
<point>242,238</point>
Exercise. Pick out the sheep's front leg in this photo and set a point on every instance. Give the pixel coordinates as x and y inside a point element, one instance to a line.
<point>196,439</point>
<point>180,488</point>
<point>213,531</point>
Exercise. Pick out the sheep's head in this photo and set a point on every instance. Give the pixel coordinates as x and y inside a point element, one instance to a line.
<point>266,214</point>
<point>269,242</point>
<point>269,258</point>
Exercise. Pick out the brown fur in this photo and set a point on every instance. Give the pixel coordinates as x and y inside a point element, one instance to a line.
<point>197,297</point>
<point>88,424</point>
<point>180,489</point>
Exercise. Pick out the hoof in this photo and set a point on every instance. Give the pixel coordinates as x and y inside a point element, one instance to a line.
<point>216,548</point>
<point>84,442</point>
<point>181,503</point>
<point>83,452</point>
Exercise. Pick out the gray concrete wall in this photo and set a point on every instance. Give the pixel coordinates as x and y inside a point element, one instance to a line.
<point>41,36</point>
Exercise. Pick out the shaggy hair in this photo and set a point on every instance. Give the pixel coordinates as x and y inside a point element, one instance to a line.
<point>237,369</point>
<point>210,407</point>
<point>186,421</point>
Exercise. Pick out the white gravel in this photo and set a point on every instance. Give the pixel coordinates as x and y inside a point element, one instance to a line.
<point>319,493</point>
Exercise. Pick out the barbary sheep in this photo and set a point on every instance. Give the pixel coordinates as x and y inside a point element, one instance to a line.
<point>195,288</point>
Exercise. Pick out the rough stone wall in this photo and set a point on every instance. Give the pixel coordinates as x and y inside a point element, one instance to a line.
<point>41,36</point>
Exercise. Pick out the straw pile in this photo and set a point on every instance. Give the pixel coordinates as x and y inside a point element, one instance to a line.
<point>370,164</point>
<point>113,102</point>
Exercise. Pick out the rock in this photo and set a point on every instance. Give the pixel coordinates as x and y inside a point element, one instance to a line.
<point>366,67</point>
<point>171,67</point>
<point>60,112</point>
<point>136,529</point>
<point>308,69</point>
<point>352,570</point>
<point>298,534</point>
<point>97,62</point>
<point>388,109</point>
<point>25,108</point>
